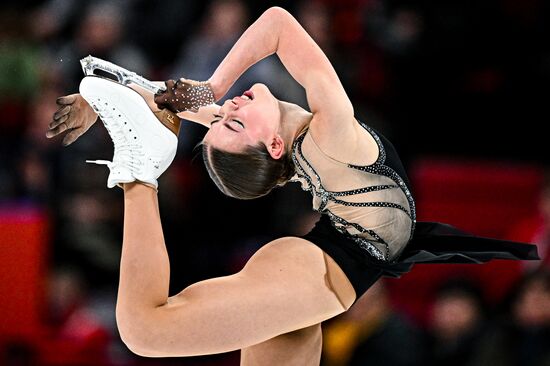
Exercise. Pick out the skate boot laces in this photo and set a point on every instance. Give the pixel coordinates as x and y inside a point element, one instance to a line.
<point>127,153</point>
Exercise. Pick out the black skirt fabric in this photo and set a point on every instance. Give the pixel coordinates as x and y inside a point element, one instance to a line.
<point>432,242</point>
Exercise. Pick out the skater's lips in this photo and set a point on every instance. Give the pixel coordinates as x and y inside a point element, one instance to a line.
<point>249,94</point>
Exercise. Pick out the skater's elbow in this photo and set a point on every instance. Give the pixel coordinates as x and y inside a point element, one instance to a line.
<point>151,333</point>
<point>134,333</point>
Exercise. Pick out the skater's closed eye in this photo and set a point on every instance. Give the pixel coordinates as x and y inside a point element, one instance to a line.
<point>217,117</point>
<point>239,122</point>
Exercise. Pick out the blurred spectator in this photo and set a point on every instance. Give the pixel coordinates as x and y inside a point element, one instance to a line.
<point>220,28</point>
<point>396,29</point>
<point>19,77</point>
<point>314,16</point>
<point>371,333</point>
<point>18,58</point>
<point>100,32</point>
<point>457,321</point>
<point>90,236</point>
<point>522,335</point>
<point>73,325</point>
<point>37,156</point>
<point>52,17</point>
<point>165,25</point>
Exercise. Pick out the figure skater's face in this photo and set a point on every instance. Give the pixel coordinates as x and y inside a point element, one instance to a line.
<point>246,120</point>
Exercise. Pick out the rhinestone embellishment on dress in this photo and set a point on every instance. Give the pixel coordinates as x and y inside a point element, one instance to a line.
<point>339,223</point>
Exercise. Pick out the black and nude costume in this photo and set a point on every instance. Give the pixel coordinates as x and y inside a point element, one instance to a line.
<point>368,222</point>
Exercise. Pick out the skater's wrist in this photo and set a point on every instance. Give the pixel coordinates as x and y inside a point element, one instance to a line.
<point>185,95</point>
<point>86,107</point>
<point>217,88</point>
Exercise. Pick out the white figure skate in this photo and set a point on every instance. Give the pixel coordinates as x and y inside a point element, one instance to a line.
<point>144,146</point>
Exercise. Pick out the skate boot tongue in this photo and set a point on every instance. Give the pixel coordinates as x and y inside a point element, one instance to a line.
<point>170,120</point>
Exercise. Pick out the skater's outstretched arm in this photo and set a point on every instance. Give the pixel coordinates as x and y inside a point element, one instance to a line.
<point>276,31</point>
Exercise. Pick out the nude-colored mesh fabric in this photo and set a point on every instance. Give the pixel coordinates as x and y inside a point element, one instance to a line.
<point>386,228</point>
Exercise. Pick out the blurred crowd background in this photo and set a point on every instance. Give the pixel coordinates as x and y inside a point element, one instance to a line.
<point>460,87</point>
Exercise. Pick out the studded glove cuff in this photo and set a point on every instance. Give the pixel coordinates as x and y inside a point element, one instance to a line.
<point>185,95</point>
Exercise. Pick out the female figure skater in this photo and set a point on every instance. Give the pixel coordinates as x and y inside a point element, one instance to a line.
<point>272,309</point>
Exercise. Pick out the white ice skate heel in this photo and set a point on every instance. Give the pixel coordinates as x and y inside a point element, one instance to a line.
<point>144,145</point>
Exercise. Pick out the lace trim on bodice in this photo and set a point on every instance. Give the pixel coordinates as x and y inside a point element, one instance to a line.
<point>378,168</point>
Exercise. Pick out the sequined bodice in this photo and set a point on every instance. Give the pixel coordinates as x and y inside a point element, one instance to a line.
<point>371,204</point>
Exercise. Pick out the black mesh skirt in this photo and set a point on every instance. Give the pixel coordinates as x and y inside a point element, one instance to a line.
<point>431,243</point>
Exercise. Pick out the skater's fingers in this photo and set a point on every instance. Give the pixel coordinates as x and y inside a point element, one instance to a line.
<point>159,99</point>
<point>170,84</point>
<point>163,100</point>
<point>66,100</point>
<point>72,136</point>
<point>61,112</point>
<point>57,122</point>
<point>57,130</point>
